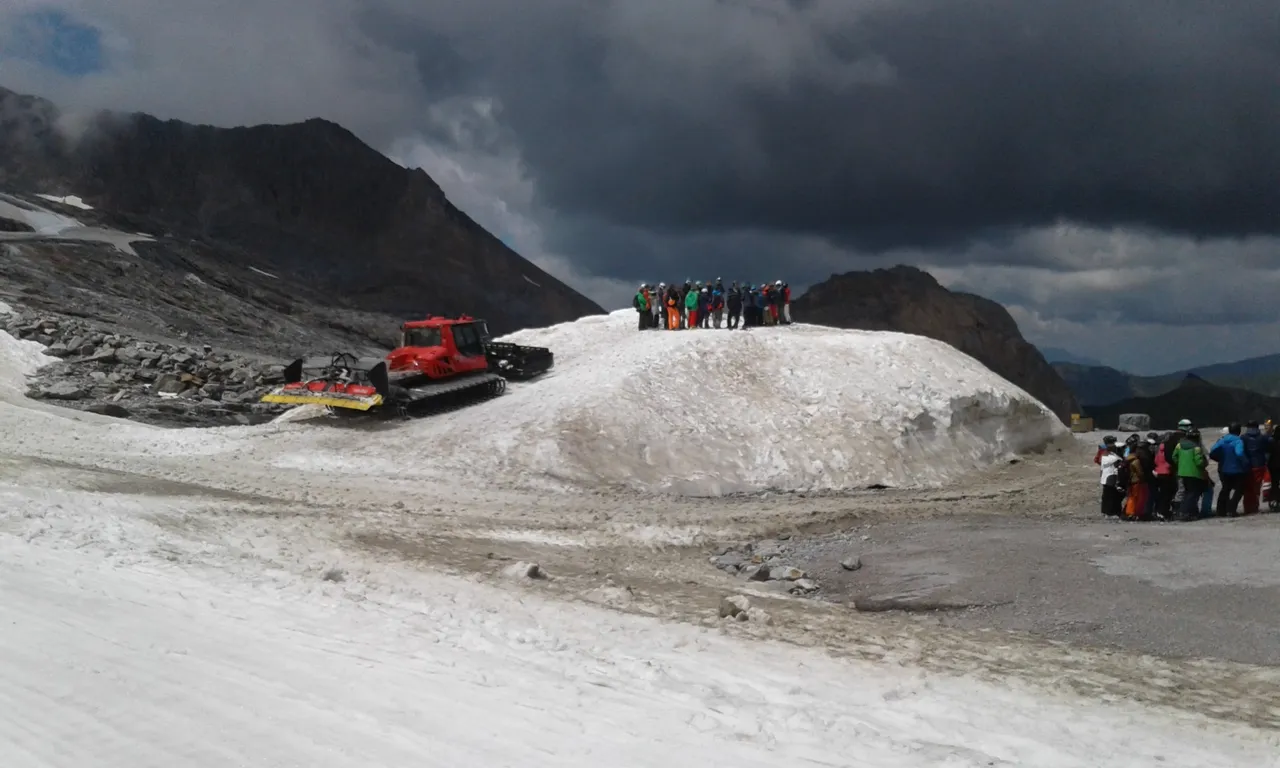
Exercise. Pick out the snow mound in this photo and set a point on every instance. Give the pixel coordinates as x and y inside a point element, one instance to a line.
<point>708,412</point>
<point>18,360</point>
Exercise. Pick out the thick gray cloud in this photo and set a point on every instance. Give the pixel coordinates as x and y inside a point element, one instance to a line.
<point>1084,162</point>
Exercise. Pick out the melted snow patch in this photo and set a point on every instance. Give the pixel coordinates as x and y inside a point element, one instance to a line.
<point>44,222</point>
<point>47,225</point>
<point>71,200</point>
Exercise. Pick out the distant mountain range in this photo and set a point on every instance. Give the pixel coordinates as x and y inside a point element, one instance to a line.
<point>1099,385</point>
<point>1059,355</point>
<point>1205,403</point>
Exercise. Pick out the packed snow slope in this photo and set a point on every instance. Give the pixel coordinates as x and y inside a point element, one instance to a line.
<point>708,412</point>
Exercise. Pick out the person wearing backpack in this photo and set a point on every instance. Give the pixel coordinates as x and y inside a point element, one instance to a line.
<point>1233,468</point>
<point>1257,449</point>
<point>641,303</point>
<point>1191,465</point>
<point>735,306</point>
<point>717,305</point>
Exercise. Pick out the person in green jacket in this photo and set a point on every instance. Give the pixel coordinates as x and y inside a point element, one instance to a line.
<point>1192,467</point>
<point>641,303</point>
<point>691,307</point>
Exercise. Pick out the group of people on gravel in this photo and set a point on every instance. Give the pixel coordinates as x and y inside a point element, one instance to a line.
<point>710,305</point>
<point>1166,477</point>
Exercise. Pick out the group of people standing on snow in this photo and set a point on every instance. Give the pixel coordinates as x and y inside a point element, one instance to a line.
<point>711,305</point>
<point>1167,477</point>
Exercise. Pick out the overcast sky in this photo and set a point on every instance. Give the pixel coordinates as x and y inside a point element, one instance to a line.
<point>1110,171</point>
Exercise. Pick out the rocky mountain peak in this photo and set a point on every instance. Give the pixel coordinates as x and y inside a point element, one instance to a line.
<point>308,202</point>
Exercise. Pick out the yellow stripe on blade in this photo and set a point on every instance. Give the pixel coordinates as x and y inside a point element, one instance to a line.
<point>353,403</point>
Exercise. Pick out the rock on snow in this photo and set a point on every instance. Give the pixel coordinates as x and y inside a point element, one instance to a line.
<point>710,412</point>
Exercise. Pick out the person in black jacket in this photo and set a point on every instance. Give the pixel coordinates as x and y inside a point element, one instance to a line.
<point>734,302</point>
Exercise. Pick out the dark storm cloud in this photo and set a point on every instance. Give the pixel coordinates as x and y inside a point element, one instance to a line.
<point>916,123</point>
<point>613,141</point>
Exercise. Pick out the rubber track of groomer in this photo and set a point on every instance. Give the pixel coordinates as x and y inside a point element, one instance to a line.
<point>435,399</point>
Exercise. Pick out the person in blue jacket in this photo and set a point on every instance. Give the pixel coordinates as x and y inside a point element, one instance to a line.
<point>1233,469</point>
<point>704,307</point>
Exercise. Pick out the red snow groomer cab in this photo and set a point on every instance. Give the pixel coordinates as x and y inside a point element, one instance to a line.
<point>438,358</point>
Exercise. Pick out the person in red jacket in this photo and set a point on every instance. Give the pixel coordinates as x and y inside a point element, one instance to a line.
<point>784,299</point>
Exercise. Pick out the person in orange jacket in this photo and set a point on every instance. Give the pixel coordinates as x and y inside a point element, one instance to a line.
<point>672,302</point>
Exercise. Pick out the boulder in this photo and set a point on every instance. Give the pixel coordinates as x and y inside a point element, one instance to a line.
<point>109,409</point>
<point>785,573</point>
<point>169,384</point>
<point>103,354</point>
<point>523,571</point>
<point>62,390</point>
<point>1135,422</point>
<point>803,586</point>
<point>733,605</point>
<point>851,563</point>
<point>729,561</point>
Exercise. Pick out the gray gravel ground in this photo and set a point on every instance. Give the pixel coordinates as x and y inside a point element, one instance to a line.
<point>1209,589</point>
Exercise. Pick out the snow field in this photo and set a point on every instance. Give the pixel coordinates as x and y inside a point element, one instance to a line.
<point>130,644</point>
<point>47,224</point>
<point>709,413</point>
